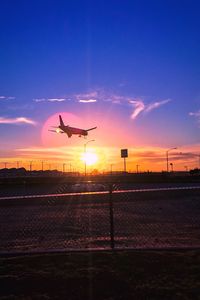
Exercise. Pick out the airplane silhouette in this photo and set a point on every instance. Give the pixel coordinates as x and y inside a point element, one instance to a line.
<point>62,128</point>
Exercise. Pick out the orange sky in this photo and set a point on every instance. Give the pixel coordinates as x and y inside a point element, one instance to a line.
<point>148,158</point>
<point>107,140</point>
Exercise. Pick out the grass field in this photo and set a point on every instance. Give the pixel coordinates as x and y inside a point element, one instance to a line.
<point>116,275</point>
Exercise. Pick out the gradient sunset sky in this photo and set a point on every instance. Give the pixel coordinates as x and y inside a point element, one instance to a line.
<point>131,68</point>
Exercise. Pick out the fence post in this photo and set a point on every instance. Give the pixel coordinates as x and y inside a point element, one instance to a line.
<point>112,241</point>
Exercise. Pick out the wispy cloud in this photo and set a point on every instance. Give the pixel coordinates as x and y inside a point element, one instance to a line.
<point>49,100</point>
<point>90,97</point>
<point>155,105</point>
<point>19,120</point>
<point>140,106</point>
<point>39,100</point>
<point>115,99</point>
<point>99,95</point>
<point>137,103</point>
<point>56,99</point>
<point>87,100</point>
<point>42,149</point>
<point>196,115</point>
<point>49,153</point>
<point>6,98</point>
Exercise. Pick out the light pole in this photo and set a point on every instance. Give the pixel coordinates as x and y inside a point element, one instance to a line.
<point>85,154</point>
<point>17,164</point>
<point>137,168</point>
<point>167,157</point>
<point>111,165</point>
<point>198,159</point>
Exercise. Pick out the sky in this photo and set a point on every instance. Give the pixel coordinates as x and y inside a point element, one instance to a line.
<point>129,67</point>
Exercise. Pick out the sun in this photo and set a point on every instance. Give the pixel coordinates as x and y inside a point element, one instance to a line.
<point>89,158</point>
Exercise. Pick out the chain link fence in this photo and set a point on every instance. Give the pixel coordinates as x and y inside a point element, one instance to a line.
<point>99,216</point>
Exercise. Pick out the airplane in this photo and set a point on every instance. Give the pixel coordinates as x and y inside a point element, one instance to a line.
<point>62,128</point>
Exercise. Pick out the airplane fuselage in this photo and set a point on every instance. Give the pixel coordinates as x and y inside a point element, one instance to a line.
<point>72,130</point>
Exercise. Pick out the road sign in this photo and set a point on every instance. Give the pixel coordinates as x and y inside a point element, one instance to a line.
<point>124,152</point>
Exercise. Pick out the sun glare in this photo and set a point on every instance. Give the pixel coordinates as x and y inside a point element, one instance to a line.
<point>89,158</point>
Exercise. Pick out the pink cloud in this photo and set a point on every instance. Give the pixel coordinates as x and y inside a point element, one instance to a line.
<point>19,120</point>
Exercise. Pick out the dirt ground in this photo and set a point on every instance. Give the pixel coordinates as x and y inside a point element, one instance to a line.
<point>141,274</point>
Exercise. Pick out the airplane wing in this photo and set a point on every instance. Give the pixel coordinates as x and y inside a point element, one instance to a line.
<point>91,128</point>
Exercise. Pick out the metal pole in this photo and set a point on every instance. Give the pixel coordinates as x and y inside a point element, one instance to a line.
<point>112,241</point>
<point>167,157</point>
<point>167,161</point>
<point>124,164</point>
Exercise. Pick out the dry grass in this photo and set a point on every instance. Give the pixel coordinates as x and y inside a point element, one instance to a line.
<point>102,275</point>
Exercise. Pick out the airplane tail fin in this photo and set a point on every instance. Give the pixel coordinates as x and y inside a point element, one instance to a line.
<point>61,121</point>
<point>91,128</point>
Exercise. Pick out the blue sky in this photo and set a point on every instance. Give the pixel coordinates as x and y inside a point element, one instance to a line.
<point>139,60</point>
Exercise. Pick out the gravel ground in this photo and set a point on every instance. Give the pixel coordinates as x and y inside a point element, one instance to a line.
<point>143,220</point>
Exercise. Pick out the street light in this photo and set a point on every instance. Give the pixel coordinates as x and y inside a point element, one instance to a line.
<point>17,162</point>
<point>167,157</point>
<point>198,159</point>
<point>111,167</point>
<point>85,153</point>
<point>30,166</point>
